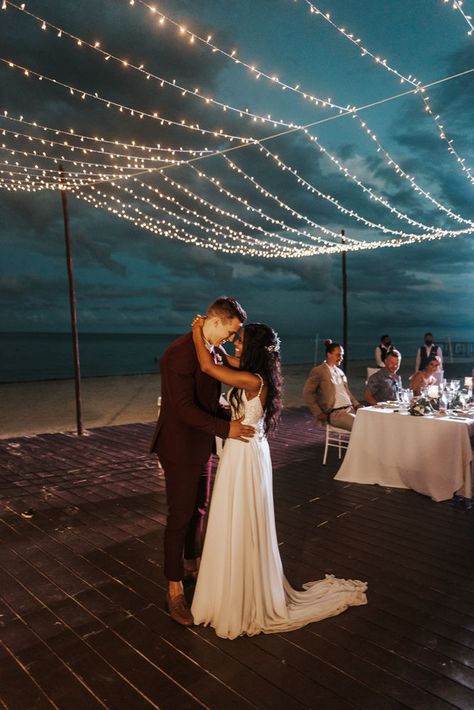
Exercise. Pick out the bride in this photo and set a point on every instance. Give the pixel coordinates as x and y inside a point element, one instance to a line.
<point>241,588</point>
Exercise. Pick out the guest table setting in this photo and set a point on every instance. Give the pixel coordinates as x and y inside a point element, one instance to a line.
<point>413,444</point>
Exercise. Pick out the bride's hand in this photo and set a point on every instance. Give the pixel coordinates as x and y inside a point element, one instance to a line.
<point>198,322</point>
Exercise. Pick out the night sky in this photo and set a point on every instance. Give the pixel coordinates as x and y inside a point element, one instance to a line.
<point>130,280</point>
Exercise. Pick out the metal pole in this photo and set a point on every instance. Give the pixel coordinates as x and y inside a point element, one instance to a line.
<point>316,348</point>
<point>72,304</point>
<point>344,304</point>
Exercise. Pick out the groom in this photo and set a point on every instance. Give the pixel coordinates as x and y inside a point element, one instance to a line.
<point>190,417</point>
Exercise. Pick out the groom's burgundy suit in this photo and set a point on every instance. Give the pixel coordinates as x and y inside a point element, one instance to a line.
<point>190,417</point>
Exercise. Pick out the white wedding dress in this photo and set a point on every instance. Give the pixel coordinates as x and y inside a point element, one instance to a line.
<point>241,588</point>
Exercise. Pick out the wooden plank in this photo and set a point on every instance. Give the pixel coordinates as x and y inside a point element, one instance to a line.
<point>84,579</point>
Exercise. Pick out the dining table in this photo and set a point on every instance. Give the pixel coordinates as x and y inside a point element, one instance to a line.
<point>430,454</point>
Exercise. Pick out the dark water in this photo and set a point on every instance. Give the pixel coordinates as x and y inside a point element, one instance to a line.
<point>45,356</point>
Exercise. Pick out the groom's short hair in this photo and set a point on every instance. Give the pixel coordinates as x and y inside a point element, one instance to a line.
<point>226,307</point>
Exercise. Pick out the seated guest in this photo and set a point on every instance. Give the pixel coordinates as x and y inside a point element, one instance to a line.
<point>385,384</point>
<point>382,349</point>
<point>326,391</point>
<point>426,351</point>
<point>426,377</point>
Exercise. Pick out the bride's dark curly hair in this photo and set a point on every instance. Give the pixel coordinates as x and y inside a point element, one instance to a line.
<point>261,355</point>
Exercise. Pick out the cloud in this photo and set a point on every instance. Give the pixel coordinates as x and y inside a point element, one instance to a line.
<point>128,279</point>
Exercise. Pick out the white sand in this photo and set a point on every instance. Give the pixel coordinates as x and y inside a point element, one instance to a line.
<point>49,406</point>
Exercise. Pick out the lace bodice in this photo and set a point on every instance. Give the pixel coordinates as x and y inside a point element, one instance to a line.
<point>252,410</point>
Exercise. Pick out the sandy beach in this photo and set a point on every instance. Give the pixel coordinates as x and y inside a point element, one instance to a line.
<point>49,406</point>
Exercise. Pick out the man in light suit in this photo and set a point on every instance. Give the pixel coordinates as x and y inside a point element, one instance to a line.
<point>327,393</point>
<point>190,418</point>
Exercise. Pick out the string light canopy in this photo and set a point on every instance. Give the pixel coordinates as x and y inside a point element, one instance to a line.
<point>169,229</point>
<point>96,46</point>
<point>364,51</point>
<point>101,170</point>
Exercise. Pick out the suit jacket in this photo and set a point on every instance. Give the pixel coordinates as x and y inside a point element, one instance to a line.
<point>190,415</point>
<point>320,391</point>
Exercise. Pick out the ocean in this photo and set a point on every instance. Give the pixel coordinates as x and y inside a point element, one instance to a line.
<point>48,356</point>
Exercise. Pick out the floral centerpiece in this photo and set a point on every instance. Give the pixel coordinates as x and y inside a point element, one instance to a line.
<point>459,399</point>
<point>420,406</point>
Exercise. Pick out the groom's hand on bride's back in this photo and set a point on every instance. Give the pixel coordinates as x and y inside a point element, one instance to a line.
<point>242,432</point>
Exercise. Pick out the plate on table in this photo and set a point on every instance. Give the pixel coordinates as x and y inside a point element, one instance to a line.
<point>459,414</point>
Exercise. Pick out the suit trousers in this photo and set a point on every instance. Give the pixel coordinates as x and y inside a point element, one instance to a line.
<point>187,494</point>
<point>343,418</point>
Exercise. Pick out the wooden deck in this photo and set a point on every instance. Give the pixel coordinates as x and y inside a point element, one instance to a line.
<point>83,622</point>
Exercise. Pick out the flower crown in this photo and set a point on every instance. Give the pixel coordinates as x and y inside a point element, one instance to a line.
<point>275,347</point>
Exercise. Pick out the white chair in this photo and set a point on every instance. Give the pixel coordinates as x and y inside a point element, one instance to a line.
<point>336,437</point>
<point>371,371</point>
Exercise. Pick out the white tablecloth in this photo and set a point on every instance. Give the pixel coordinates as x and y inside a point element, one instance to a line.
<point>430,455</point>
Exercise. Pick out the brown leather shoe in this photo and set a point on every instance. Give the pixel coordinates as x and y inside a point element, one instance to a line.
<point>179,610</point>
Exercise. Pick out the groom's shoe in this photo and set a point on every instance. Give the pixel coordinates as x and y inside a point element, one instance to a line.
<point>179,610</point>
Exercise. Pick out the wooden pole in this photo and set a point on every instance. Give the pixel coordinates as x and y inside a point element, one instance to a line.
<point>72,304</point>
<point>344,304</point>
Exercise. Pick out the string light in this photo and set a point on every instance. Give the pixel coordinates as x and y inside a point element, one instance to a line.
<point>250,141</point>
<point>232,56</point>
<point>396,167</point>
<point>86,178</point>
<point>364,51</point>
<point>38,175</point>
<point>57,159</point>
<point>44,155</point>
<point>279,222</point>
<point>32,185</point>
<point>282,166</point>
<point>212,225</point>
<point>350,213</point>
<point>147,223</point>
<point>251,208</point>
<point>314,190</point>
<point>419,88</point>
<point>83,164</point>
<point>168,229</point>
<point>365,188</point>
<point>133,112</point>
<point>275,198</point>
<point>195,93</point>
<point>458,5</point>
<point>174,183</point>
<point>388,158</point>
<point>65,145</point>
<point>4,115</point>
